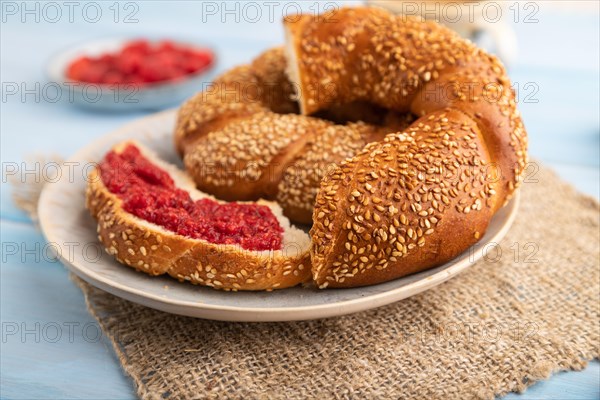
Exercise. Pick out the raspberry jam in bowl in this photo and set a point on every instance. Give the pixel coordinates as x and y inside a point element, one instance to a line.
<point>132,74</point>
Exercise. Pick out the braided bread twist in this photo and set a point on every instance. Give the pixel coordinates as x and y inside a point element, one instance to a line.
<point>415,196</point>
<point>242,138</point>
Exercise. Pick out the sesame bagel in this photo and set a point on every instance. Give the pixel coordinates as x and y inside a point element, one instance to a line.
<point>419,197</point>
<point>152,249</point>
<point>412,201</point>
<point>242,138</point>
<point>404,64</point>
<point>397,139</point>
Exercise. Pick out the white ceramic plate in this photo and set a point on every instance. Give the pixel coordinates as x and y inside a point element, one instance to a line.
<point>72,234</point>
<point>128,97</point>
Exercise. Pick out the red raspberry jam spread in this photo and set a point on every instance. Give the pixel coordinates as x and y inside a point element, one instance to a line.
<point>149,193</point>
<point>141,62</point>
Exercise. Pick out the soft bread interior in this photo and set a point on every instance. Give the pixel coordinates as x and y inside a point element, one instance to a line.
<point>295,241</point>
<point>293,66</point>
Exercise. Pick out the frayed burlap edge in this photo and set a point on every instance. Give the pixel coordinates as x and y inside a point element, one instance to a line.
<point>409,349</point>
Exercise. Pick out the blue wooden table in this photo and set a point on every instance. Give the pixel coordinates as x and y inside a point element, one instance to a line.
<point>51,346</point>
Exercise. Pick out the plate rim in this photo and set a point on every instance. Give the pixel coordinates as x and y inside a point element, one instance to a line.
<point>249,314</point>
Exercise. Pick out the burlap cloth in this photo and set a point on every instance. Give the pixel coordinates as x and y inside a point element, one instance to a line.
<point>498,327</point>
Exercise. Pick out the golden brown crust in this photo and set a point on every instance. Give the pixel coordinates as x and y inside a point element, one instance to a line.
<point>149,248</point>
<point>403,204</point>
<point>400,205</point>
<point>278,93</point>
<point>300,182</point>
<point>243,160</point>
<point>233,95</point>
<point>404,64</point>
<point>241,139</point>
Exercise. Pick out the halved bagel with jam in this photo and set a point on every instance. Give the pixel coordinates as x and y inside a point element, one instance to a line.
<point>151,217</point>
